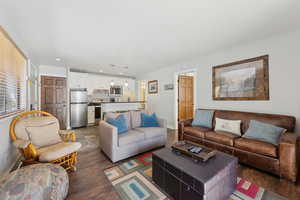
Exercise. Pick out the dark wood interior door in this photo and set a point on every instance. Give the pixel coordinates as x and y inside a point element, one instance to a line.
<point>54,98</point>
<point>185,97</point>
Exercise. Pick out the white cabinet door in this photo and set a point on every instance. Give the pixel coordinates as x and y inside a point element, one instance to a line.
<point>91,114</point>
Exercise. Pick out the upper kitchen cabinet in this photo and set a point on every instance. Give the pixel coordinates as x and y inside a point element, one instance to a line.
<point>78,80</point>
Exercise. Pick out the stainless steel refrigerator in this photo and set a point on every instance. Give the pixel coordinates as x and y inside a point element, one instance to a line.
<point>78,107</point>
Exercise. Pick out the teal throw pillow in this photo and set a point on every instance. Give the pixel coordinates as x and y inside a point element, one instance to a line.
<point>203,118</point>
<point>264,132</point>
<point>149,120</point>
<point>119,122</point>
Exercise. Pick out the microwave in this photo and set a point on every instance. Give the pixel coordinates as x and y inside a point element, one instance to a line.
<point>116,90</point>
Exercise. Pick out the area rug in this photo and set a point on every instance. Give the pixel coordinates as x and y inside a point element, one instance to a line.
<point>133,181</point>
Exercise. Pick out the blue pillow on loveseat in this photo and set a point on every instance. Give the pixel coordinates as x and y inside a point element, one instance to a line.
<point>149,120</point>
<point>119,122</point>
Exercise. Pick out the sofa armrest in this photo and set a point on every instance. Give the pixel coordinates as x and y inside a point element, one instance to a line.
<point>162,122</point>
<point>181,125</point>
<point>108,136</point>
<point>288,155</point>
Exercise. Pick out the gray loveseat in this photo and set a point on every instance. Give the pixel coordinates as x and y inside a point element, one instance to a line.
<point>136,140</point>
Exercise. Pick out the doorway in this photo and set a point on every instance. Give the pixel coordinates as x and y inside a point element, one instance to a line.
<point>54,98</point>
<point>185,95</point>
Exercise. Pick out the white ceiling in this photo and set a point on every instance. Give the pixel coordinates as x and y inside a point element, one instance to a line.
<point>142,34</point>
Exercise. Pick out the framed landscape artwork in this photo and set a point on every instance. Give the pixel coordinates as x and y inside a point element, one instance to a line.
<point>242,80</point>
<point>153,87</point>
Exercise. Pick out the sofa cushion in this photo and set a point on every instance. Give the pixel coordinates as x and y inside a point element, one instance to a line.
<point>130,137</point>
<point>56,151</point>
<point>256,146</point>
<point>151,132</point>
<point>197,131</point>
<point>221,137</point>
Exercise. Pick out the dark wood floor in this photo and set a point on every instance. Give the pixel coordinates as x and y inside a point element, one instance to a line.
<point>89,181</point>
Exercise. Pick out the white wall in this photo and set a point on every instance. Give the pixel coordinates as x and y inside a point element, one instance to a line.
<point>49,70</point>
<point>284,73</point>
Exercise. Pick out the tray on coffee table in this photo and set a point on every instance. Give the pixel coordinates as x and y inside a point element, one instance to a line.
<point>182,147</point>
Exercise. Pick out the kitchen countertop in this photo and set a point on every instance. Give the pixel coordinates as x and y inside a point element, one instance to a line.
<point>106,102</point>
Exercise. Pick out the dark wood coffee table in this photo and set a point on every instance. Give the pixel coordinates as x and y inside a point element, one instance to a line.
<point>184,179</point>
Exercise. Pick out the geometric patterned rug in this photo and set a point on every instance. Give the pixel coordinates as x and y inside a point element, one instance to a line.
<point>133,181</point>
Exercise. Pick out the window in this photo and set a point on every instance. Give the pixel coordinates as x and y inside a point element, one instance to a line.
<point>12,77</point>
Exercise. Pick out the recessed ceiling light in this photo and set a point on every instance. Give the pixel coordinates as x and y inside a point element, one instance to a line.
<point>100,70</point>
<point>121,73</point>
<point>58,59</point>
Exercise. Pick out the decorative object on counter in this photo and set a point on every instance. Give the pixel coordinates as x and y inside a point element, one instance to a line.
<point>186,148</point>
<point>169,86</point>
<point>242,80</point>
<point>149,120</point>
<point>153,87</point>
<point>119,122</point>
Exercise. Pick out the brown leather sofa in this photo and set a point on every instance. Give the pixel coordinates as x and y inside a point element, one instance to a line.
<point>280,160</point>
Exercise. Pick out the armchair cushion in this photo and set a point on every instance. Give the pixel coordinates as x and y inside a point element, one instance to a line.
<point>41,136</point>
<point>20,127</point>
<point>56,151</point>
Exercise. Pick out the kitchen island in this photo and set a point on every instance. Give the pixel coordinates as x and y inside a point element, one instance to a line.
<point>121,106</point>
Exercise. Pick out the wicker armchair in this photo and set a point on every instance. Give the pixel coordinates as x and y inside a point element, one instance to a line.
<point>37,136</point>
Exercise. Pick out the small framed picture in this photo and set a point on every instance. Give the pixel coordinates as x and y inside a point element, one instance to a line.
<point>153,87</point>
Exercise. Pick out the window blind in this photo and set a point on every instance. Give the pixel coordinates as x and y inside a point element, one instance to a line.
<point>12,77</point>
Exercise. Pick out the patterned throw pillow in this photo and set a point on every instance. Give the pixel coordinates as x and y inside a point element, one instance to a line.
<point>231,126</point>
<point>264,132</point>
<point>119,122</point>
<point>203,118</point>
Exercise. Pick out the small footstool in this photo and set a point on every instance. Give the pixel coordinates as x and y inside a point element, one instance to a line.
<point>35,182</point>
